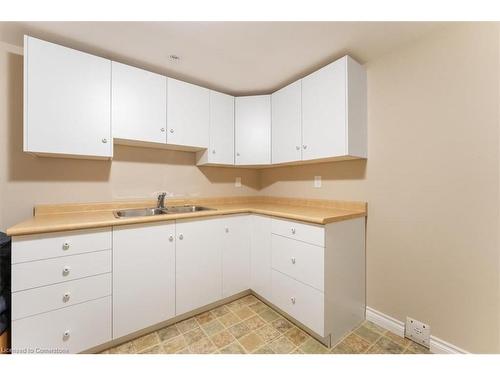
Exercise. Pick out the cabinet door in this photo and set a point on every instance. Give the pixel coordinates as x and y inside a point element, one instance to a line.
<point>287,124</point>
<point>139,110</point>
<point>187,114</point>
<point>236,255</point>
<point>67,101</point>
<point>324,112</point>
<point>260,256</point>
<point>143,276</point>
<point>221,150</point>
<point>253,130</point>
<point>198,263</point>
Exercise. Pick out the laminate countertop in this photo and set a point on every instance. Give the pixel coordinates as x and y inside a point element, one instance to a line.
<point>64,217</point>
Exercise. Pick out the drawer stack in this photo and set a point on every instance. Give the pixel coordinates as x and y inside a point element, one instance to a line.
<point>298,271</point>
<point>317,274</point>
<point>61,291</point>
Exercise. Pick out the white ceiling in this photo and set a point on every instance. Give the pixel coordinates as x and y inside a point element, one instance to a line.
<point>240,58</point>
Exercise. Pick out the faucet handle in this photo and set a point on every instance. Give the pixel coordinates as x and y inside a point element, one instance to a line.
<point>161,200</point>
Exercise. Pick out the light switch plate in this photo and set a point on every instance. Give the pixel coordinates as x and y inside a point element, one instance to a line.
<point>418,331</point>
<point>237,182</point>
<point>317,181</point>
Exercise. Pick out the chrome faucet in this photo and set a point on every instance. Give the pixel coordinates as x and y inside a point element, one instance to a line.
<point>161,200</point>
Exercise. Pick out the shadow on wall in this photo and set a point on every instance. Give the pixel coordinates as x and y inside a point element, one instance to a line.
<point>337,170</point>
<point>221,175</point>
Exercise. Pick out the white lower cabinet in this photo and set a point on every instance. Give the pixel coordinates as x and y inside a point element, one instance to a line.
<point>235,255</point>
<point>198,274</point>
<point>260,255</point>
<point>143,276</point>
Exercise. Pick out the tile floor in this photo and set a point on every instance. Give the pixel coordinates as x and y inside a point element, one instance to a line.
<point>247,326</point>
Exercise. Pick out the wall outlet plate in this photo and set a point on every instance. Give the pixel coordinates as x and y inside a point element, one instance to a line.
<point>237,182</point>
<point>418,331</point>
<point>317,181</point>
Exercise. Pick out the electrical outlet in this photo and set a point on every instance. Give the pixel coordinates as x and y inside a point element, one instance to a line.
<point>237,182</point>
<point>418,331</point>
<point>317,181</point>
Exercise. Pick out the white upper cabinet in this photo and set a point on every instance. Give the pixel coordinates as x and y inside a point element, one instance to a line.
<point>138,105</point>
<point>287,124</point>
<point>334,111</point>
<point>143,276</point>
<point>235,255</point>
<point>188,115</point>
<point>221,143</point>
<point>253,130</point>
<point>67,101</point>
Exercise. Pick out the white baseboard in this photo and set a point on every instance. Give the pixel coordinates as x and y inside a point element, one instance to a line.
<point>397,327</point>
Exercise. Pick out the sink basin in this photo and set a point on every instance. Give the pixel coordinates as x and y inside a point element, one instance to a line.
<point>185,209</point>
<point>139,212</point>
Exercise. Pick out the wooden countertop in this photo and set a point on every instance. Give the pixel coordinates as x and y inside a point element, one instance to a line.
<point>55,218</point>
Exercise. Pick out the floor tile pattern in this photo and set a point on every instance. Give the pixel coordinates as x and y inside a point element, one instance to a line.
<point>249,326</point>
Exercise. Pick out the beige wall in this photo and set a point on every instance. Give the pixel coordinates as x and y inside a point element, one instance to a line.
<point>134,172</point>
<point>431,182</point>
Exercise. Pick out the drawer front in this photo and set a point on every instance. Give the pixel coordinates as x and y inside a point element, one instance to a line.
<point>39,300</point>
<point>300,301</point>
<point>72,329</point>
<point>313,234</point>
<point>302,261</point>
<point>52,245</point>
<point>50,271</point>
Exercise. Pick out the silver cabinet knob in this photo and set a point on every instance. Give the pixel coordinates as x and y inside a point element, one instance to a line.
<point>293,300</point>
<point>293,230</point>
<point>237,154</point>
<point>227,230</point>
<point>66,296</point>
<point>181,236</point>
<point>65,246</point>
<point>293,260</point>
<point>162,130</point>
<point>304,146</point>
<point>66,334</point>
<point>104,140</point>
<point>66,270</point>
<point>171,130</point>
<point>297,148</point>
<point>213,151</point>
<point>171,238</point>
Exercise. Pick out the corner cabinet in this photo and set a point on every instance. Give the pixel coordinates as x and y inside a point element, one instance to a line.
<point>253,130</point>
<point>67,102</point>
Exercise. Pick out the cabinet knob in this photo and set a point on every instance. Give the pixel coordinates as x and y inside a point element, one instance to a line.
<point>213,151</point>
<point>293,230</point>
<point>237,154</point>
<point>104,140</point>
<point>181,236</point>
<point>171,130</point>
<point>162,130</point>
<point>66,270</point>
<point>304,146</point>
<point>171,238</point>
<point>227,230</point>
<point>65,246</point>
<point>66,334</point>
<point>293,260</point>
<point>293,300</point>
<point>297,148</point>
<point>66,296</point>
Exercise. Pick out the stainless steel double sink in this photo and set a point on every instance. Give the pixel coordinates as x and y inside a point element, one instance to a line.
<point>140,212</point>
